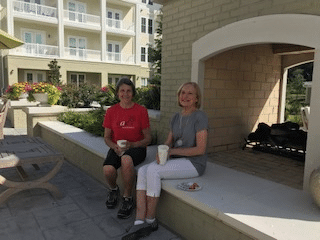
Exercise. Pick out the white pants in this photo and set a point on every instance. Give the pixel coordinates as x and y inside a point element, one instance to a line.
<point>150,175</point>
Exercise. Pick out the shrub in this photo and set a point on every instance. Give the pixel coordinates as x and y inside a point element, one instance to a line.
<point>90,121</point>
<point>107,96</point>
<point>75,97</point>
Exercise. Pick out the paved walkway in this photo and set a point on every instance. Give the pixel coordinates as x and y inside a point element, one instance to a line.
<point>80,215</point>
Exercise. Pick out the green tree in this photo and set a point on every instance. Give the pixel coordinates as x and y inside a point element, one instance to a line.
<point>296,92</point>
<point>155,51</point>
<point>54,73</point>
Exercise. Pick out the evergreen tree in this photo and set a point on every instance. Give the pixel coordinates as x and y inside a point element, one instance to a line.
<point>54,72</point>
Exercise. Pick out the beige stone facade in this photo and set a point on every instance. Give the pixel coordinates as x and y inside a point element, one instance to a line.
<point>184,22</point>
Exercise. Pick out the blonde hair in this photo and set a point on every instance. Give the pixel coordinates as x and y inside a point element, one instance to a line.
<point>198,92</point>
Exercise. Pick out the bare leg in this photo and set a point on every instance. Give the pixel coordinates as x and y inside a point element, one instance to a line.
<point>110,174</point>
<point>128,174</point>
<point>152,203</point>
<point>141,205</point>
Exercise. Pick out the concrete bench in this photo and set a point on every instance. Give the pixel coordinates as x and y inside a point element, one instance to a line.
<point>231,204</point>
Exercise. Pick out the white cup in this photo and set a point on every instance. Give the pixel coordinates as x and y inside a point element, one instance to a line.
<point>163,154</point>
<point>122,144</point>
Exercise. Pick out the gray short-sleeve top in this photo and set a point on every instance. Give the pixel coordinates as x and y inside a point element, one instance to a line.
<point>184,129</point>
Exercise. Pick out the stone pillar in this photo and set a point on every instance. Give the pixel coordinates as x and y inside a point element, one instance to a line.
<point>36,114</point>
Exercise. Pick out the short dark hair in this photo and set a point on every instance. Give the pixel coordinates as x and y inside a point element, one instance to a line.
<point>128,82</point>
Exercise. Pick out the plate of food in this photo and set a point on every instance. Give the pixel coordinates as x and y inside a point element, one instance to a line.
<point>189,186</point>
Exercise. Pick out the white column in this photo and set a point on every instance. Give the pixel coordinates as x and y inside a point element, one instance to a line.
<point>313,150</point>
<point>137,22</point>
<point>10,24</point>
<point>103,5</point>
<point>61,28</point>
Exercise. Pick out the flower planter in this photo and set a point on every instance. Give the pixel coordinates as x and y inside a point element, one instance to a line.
<point>42,98</point>
<point>23,96</point>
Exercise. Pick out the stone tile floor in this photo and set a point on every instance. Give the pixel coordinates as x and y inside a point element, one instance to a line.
<point>80,215</point>
<point>272,167</point>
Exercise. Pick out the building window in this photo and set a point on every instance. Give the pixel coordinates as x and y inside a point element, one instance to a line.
<point>150,2</point>
<point>114,52</point>
<point>35,76</point>
<point>114,79</point>
<point>143,25</point>
<point>77,11</point>
<point>114,18</point>
<point>150,26</point>
<point>77,47</point>
<point>144,82</point>
<point>143,54</point>
<point>144,1</point>
<point>78,78</point>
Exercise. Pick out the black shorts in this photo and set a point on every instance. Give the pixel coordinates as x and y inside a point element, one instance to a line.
<point>138,155</point>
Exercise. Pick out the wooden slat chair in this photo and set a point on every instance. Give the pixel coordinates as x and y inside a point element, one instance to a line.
<point>3,115</point>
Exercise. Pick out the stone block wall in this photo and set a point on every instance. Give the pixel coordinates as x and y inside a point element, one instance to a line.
<point>241,89</point>
<point>186,21</point>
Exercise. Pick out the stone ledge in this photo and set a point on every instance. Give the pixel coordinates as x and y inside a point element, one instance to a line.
<point>231,205</point>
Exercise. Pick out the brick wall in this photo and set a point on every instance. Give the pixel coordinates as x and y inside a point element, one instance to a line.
<point>241,90</point>
<point>186,21</point>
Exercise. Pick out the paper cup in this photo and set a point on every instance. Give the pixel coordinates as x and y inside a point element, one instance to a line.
<point>122,144</point>
<point>163,154</point>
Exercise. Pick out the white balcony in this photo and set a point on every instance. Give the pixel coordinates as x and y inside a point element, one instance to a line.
<point>36,50</point>
<point>83,18</point>
<point>119,27</point>
<point>113,57</point>
<point>82,54</point>
<point>34,9</point>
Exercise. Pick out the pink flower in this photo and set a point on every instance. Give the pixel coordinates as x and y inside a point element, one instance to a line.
<point>28,88</point>
<point>105,89</point>
<point>59,88</point>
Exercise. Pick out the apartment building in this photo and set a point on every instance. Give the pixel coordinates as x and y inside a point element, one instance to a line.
<point>94,41</point>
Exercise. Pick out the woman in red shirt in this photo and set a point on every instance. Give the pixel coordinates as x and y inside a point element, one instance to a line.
<point>129,121</point>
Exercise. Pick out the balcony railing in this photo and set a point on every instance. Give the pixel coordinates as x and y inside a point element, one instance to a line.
<point>34,9</point>
<point>81,17</point>
<point>82,54</point>
<point>118,24</point>
<point>41,50</point>
<point>120,58</point>
<point>37,50</point>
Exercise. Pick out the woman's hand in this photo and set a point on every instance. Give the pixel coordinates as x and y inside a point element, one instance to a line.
<point>119,150</point>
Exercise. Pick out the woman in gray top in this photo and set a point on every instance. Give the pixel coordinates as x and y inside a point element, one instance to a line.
<point>187,140</point>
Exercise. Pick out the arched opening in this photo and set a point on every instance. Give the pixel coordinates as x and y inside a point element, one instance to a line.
<point>226,64</point>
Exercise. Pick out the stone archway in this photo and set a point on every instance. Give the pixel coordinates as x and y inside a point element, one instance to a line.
<point>269,29</point>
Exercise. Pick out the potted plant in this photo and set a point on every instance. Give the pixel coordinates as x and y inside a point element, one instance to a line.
<point>18,90</point>
<point>45,93</point>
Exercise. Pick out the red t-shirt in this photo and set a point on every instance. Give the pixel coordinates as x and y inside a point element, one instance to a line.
<point>126,123</point>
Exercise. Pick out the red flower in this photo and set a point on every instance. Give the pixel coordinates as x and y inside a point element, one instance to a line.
<point>105,89</point>
<point>9,89</point>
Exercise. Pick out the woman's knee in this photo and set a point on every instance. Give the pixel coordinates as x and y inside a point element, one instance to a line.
<point>109,170</point>
<point>126,162</point>
<point>153,168</point>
